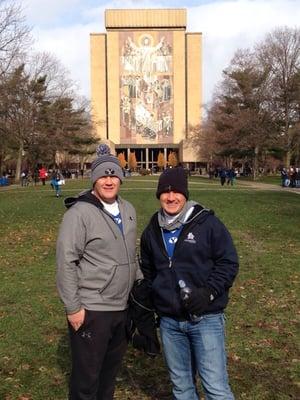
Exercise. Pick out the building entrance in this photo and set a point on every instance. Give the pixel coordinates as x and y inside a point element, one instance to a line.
<point>147,157</point>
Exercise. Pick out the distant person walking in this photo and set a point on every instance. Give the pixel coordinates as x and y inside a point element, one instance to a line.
<point>293,177</point>
<point>43,175</point>
<point>284,178</point>
<point>230,176</point>
<point>24,178</point>
<point>222,175</point>
<point>56,182</point>
<point>297,177</point>
<point>35,176</point>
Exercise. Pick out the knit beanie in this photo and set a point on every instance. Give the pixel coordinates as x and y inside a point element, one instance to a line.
<point>105,164</point>
<point>173,179</point>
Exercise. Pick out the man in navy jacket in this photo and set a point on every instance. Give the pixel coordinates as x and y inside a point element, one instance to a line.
<point>190,263</point>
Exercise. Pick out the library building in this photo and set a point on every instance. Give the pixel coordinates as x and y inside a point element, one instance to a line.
<point>146,85</point>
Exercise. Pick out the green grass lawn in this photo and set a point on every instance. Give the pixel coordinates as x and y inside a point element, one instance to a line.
<point>262,318</point>
<point>273,179</point>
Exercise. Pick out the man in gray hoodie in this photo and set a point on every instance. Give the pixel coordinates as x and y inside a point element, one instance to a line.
<point>96,269</point>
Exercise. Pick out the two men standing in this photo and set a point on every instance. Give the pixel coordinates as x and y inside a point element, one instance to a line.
<point>183,242</point>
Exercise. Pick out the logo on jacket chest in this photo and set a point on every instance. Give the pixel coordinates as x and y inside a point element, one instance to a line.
<point>172,240</point>
<point>190,238</point>
<point>118,220</point>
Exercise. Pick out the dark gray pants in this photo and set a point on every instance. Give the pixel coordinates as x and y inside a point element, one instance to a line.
<point>97,351</point>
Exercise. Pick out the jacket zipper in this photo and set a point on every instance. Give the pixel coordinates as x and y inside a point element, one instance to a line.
<point>124,241</point>
<point>170,266</point>
<point>184,230</point>
<point>165,248</point>
<point>126,248</point>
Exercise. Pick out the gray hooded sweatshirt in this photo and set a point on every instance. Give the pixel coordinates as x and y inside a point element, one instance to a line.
<point>96,262</point>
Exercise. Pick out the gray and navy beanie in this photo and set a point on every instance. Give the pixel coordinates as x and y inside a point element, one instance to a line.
<point>173,180</point>
<point>106,164</point>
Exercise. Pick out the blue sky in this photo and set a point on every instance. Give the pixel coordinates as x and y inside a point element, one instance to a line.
<point>62,27</point>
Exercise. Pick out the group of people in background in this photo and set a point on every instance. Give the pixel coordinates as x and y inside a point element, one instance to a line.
<point>41,175</point>
<point>225,174</point>
<point>38,175</point>
<point>290,177</point>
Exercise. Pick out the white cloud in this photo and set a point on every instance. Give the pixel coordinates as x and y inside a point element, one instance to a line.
<point>62,27</point>
<point>46,12</point>
<point>227,26</point>
<point>71,47</point>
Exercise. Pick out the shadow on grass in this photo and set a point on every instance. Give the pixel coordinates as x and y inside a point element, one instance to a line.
<point>64,356</point>
<point>144,376</point>
<point>140,376</point>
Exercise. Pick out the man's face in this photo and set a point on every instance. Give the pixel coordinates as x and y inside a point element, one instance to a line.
<point>107,188</point>
<point>172,202</point>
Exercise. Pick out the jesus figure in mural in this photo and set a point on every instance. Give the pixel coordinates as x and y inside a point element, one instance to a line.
<point>145,54</point>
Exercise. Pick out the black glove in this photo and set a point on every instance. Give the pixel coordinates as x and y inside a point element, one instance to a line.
<point>198,300</point>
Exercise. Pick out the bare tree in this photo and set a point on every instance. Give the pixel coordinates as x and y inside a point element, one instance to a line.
<point>280,53</point>
<point>240,119</point>
<point>40,113</point>
<point>58,79</point>
<point>14,35</point>
<point>203,139</point>
<point>35,125</point>
<point>256,107</point>
<point>20,102</point>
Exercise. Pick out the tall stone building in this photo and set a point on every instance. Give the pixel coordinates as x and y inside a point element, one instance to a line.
<point>146,83</point>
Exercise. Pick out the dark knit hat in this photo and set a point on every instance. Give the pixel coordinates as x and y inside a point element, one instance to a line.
<point>173,179</point>
<point>105,164</point>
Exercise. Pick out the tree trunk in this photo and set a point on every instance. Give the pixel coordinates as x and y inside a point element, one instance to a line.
<point>288,157</point>
<point>297,157</point>
<point>19,163</point>
<point>1,163</point>
<point>81,163</point>
<point>255,162</point>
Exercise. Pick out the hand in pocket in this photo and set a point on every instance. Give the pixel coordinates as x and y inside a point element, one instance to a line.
<point>77,319</point>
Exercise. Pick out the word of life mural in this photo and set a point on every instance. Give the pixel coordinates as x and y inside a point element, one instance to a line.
<point>146,87</point>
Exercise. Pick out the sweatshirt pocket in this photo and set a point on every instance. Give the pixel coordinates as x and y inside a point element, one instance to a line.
<point>117,283</point>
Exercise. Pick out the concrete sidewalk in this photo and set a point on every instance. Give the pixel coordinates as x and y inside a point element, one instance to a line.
<point>267,186</point>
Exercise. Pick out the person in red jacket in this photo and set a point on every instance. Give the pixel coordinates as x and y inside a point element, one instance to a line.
<point>43,175</point>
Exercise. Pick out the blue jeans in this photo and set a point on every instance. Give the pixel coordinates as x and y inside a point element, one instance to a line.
<point>191,346</point>
<point>57,189</point>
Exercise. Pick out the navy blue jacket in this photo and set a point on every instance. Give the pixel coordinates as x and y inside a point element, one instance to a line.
<point>204,255</point>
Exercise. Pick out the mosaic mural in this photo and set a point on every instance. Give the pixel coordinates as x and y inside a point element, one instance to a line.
<point>146,87</point>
